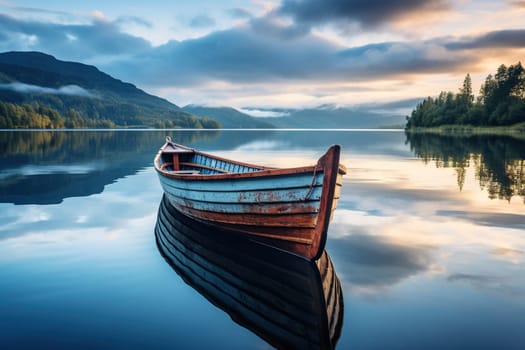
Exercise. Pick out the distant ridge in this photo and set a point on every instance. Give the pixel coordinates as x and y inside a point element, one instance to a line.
<point>229,118</point>
<point>385,115</point>
<point>334,117</point>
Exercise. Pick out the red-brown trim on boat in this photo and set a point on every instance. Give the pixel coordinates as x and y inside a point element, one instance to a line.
<point>331,167</point>
<point>304,234</point>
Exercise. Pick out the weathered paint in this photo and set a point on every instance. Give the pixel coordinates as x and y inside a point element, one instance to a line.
<point>281,206</point>
<point>234,195</point>
<point>249,208</point>
<point>302,220</point>
<point>223,183</point>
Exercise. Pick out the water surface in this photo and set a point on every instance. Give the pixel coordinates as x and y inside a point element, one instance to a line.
<point>428,240</point>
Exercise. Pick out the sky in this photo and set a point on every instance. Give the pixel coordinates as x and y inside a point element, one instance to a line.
<point>268,54</point>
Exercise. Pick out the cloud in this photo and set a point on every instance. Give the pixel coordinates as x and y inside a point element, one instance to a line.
<point>236,55</point>
<point>364,13</point>
<point>100,38</point>
<point>496,39</point>
<point>518,4</point>
<point>240,13</point>
<point>202,21</point>
<point>471,278</point>
<point>270,53</point>
<point>263,51</point>
<point>273,27</point>
<point>71,90</point>
<point>264,113</point>
<point>133,20</point>
<point>98,15</point>
<point>38,10</point>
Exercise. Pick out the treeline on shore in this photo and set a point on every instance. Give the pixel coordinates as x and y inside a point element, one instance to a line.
<point>501,102</point>
<point>27,116</point>
<point>35,116</point>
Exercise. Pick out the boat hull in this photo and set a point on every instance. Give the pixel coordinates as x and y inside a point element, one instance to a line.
<point>286,208</point>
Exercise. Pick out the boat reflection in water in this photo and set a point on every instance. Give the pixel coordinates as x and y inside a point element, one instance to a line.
<point>288,301</point>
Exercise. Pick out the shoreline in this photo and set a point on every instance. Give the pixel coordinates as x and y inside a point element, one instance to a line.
<point>467,130</point>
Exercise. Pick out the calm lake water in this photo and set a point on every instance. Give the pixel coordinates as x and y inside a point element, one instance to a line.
<point>428,241</point>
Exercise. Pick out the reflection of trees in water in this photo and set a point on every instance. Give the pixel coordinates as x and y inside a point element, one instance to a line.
<point>499,161</point>
<point>82,145</point>
<point>44,167</point>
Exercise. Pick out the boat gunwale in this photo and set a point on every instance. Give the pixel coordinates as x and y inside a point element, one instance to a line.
<point>263,170</point>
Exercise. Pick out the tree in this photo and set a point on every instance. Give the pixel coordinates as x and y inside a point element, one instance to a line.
<point>465,93</point>
<point>501,101</point>
<point>516,77</point>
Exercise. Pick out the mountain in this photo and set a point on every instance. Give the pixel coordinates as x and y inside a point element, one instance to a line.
<point>332,117</point>
<point>377,115</point>
<point>229,118</point>
<point>79,92</point>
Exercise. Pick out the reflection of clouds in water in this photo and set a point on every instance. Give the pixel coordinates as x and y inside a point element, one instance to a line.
<point>507,251</point>
<point>31,170</point>
<point>515,256</point>
<point>13,221</point>
<point>415,212</point>
<point>262,145</point>
<point>491,283</point>
<point>394,200</point>
<point>369,264</point>
<point>505,220</point>
<point>110,211</point>
<point>377,249</point>
<point>374,251</point>
<point>346,221</point>
<point>474,279</point>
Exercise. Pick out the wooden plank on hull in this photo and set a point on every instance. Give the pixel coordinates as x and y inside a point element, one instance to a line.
<point>248,196</point>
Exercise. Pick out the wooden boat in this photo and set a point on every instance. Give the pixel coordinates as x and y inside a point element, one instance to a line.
<point>286,208</point>
<point>290,302</point>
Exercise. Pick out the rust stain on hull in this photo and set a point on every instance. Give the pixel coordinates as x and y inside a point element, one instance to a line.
<point>295,216</point>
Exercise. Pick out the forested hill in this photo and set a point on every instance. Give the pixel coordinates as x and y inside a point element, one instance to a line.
<point>39,91</point>
<point>501,102</point>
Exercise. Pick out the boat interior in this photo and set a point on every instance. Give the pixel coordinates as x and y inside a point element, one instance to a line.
<point>185,161</point>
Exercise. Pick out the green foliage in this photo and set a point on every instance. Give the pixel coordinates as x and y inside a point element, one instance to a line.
<point>26,116</point>
<point>191,122</point>
<point>501,102</point>
<point>104,102</point>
